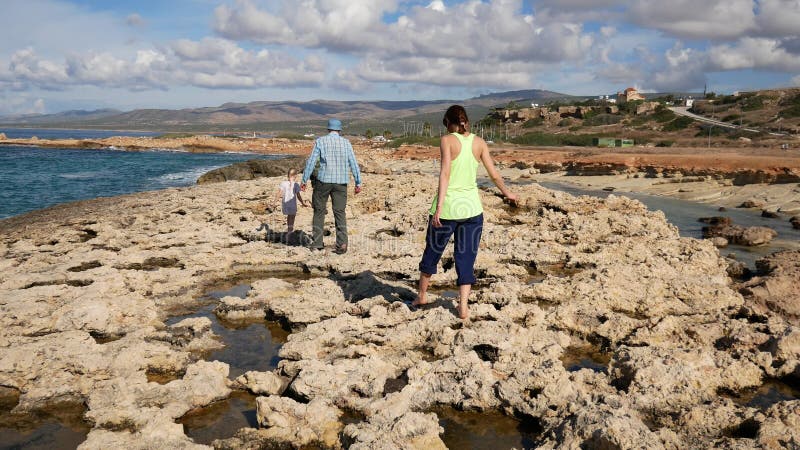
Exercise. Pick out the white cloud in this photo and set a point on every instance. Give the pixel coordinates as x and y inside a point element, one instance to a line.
<point>348,81</point>
<point>335,24</point>
<point>684,70</point>
<point>692,19</point>
<point>492,43</point>
<point>437,5</point>
<point>753,53</point>
<point>496,30</point>
<point>778,17</point>
<point>21,104</point>
<point>209,63</point>
<point>445,72</point>
<point>26,66</point>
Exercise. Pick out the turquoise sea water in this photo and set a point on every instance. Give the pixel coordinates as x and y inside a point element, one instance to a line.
<point>60,133</point>
<point>33,178</point>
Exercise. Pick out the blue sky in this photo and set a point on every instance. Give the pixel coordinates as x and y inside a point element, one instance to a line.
<point>85,54</point>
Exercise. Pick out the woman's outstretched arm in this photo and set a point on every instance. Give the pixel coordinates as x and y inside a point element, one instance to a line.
<point>494,174</point>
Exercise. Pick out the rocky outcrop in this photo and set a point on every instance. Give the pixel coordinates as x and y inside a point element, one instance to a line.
<point>594,169</point>
<point>254,168</point>
<point>776,286</point>
<point>723,227</point>
<point>744,176</point>
<point>87,291</point>
<point>795,221</point>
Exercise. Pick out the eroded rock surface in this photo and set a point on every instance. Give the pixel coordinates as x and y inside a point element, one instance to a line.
<point>86,289</point>
<point>777,284</point>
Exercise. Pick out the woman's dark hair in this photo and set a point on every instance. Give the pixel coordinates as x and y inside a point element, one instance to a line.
<point>455,119</point>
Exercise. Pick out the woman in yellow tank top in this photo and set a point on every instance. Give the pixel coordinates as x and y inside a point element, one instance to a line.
<point>457,207</point>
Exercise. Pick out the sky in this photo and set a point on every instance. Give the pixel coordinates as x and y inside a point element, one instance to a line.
<point>58,55</point>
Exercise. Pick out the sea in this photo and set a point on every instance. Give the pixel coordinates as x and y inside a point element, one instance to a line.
<point>34,177</point>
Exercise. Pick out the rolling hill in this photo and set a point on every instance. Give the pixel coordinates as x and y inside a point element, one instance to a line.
<point>245,115</point>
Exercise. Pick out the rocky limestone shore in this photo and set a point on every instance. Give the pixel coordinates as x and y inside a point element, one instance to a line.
<point>86,289</point>
<point>254,168</point>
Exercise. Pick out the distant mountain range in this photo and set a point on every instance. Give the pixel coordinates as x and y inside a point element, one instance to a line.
<point>236,114</point>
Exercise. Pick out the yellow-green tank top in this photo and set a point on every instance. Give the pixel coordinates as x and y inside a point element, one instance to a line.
<point>461,201</point>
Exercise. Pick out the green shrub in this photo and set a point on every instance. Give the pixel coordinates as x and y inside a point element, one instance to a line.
<point>564,122</point>
<point>731,118</point>
<point>753,103</point>
<point>602,119</point>
<point>530,123</point>
<point>679,123</point>
<point>630,107</point>
<point>715,131</point>
<point>663,114</point>
<point>793,109</point>
<point>665,143</point>
<point>554,140</point>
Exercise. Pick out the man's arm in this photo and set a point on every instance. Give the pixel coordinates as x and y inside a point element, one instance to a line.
<point>351,161</point>
<point>312,161</point>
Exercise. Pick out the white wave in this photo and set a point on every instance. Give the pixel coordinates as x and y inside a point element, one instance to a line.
<point>165,150</point>
<point>82,175</point>
<point>183,178</point>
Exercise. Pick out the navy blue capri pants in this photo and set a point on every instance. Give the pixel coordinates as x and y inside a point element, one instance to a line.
<point>467,239</point>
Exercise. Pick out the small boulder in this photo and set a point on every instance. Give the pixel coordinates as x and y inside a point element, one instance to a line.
<point>751,204</point>
<point>753,236</point>
<point>254,168</point>
<point>3,137</point>
<point>738,270</point>
<point>735,234</point>
<point>520,165</point>
<point>262,383</point>
<point>719,242</point>
<point>769,214</point>
<point>716,221</point>
<point>795,221</point>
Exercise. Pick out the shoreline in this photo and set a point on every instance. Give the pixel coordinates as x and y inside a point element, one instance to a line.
<point>194,144</point>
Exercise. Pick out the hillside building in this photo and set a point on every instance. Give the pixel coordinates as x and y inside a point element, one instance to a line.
<point>629,95</point>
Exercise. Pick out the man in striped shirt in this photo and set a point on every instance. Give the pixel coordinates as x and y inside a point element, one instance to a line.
<point>336,161</point>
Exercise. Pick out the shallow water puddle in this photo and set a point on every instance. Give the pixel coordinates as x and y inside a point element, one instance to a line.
<point>222,419</point>
<point>485,430</point>
<point>585,357</point>
<point>768,394</point>
<point>251,344</point>
<point>59,427</point>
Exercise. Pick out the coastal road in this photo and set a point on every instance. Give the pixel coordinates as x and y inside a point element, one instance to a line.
<point>684,111</point>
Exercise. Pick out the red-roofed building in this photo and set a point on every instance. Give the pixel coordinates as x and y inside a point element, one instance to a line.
<point>629,95</point>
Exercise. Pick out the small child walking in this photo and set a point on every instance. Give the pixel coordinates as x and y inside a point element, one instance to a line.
<point>288,194</point>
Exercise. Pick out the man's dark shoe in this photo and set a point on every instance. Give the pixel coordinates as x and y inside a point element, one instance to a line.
<point>316,248</point>
<point>340,250</point>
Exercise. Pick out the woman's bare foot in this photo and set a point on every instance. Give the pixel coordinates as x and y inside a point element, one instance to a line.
<point>422,299</point>
<point>463,311</point>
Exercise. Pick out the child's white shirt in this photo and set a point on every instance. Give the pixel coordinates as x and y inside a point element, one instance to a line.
<point>289,197</point>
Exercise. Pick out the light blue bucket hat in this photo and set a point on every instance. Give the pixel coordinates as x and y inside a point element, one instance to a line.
<point>334,124</point>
